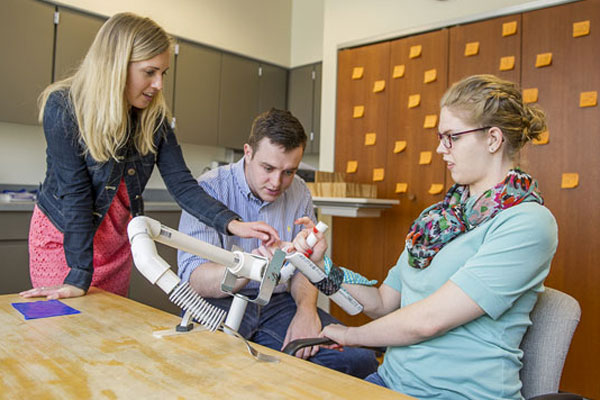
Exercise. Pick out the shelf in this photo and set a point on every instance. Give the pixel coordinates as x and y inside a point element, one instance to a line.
<point>353,206</point>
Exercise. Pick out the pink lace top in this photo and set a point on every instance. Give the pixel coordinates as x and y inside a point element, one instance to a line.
<point>112,254</point>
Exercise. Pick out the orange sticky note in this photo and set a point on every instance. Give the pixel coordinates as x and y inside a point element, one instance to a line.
<point>569,180</point>
<point>581,28</point>
<point>399,146</point>
<point>401,187</point>
<point>378,174</point>
<point>543,60</point>
<point>435,188</point>
<point>430,121</point>
<point>370,138</point>
<point>425,158</point>
<point>507,63</point>
<point>471,49</point>
<point>357,72</point>
<point>509,28</point>
<point>351,167</point>
<point>543,139</point>
<point>398,71</point>
<point>430,76</point>
<point>378,86</point>
<point>414,100</point>
<point>588,99</point>
<point>415,51</point>
<point>530,95</point>
<point>358,112</point>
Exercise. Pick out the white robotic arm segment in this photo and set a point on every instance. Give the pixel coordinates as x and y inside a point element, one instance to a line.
<point>146,259</point>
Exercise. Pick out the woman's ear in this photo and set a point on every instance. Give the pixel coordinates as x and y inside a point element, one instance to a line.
<point>495,139</point>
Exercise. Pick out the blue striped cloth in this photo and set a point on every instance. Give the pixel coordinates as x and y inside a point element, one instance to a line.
<point>228,184</point>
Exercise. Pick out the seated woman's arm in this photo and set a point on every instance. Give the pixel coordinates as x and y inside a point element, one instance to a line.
<point>444,310</point>
<point>376,301</point>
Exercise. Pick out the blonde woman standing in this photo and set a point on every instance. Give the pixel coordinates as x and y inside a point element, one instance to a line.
<point>454,308</point>
<point>106,127</point>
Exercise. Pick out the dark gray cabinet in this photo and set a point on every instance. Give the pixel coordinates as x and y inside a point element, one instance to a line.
<point>247,88</point>
<point>238,100</point>
<point>27,32</point>
<point>304,101</point>
<point>14,270</point>
<point>272,87</point>
<point>75,33</point>
<point>198,74</point>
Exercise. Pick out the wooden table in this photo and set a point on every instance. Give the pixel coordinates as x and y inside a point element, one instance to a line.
<point>108,352</point>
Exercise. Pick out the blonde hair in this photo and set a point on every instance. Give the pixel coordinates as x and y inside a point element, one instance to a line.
<point>97,88</point>
<point>486,100</point>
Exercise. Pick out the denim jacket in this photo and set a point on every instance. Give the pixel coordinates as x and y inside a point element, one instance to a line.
<point>77,191</point>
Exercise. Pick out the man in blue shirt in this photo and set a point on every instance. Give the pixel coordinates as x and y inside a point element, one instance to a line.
<point>263,186</point>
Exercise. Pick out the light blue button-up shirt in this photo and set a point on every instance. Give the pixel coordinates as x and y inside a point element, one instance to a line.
<point>228,184</point>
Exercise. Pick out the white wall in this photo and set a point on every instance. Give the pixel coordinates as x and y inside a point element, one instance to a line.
<point>358,22</point>
<point>307,32</point>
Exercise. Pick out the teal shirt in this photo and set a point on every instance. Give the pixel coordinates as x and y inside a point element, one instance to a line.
<point>501,265</point>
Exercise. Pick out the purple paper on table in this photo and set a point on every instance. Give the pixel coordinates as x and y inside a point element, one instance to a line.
<point>44,309</point>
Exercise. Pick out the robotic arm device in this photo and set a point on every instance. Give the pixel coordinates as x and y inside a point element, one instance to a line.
<point>144,231</point>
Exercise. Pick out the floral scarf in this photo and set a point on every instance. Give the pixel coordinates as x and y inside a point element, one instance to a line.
<point>444,221</point>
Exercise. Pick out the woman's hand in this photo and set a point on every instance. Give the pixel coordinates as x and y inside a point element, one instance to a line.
<point>63,291</point>
<point>338,333</point>
<point>259,230</point>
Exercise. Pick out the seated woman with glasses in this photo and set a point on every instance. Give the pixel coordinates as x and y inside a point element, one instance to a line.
<point>454,308</point>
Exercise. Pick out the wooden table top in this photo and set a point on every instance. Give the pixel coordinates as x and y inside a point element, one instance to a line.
<point>108,352</point>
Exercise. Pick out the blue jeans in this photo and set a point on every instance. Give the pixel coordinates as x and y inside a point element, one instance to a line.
<point>376,379</point>
<point>267,326</point>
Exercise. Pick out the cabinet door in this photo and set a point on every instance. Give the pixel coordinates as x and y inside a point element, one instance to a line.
<point>316,119</point>
<point>272,88</point>
<point>300,99</point>
<point>14,231</point>
<point>27,30</point>
<point>238,100</point>
<point>350,146</point>
<point>494,40</point>
<point>75,33</point>
<point>574,140</point>
<point>196,93</point>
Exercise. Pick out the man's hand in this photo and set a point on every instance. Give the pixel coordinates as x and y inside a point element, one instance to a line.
<point>305,324</point>
<point>63,291</point>
<point>259,230</point>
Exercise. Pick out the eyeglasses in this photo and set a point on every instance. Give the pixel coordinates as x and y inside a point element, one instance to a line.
<point>447,138</point>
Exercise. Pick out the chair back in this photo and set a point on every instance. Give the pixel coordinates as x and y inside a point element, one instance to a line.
<point>546,342</point>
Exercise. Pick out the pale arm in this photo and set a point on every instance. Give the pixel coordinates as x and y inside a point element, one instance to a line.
<point>206,280</point>
<point>444,310</point>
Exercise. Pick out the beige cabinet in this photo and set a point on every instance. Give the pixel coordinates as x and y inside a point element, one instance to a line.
<point>27,31</point>
<point>196,106</point>
<point>75,32</point>
<point>248,87</point>
<point>304,101</point>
